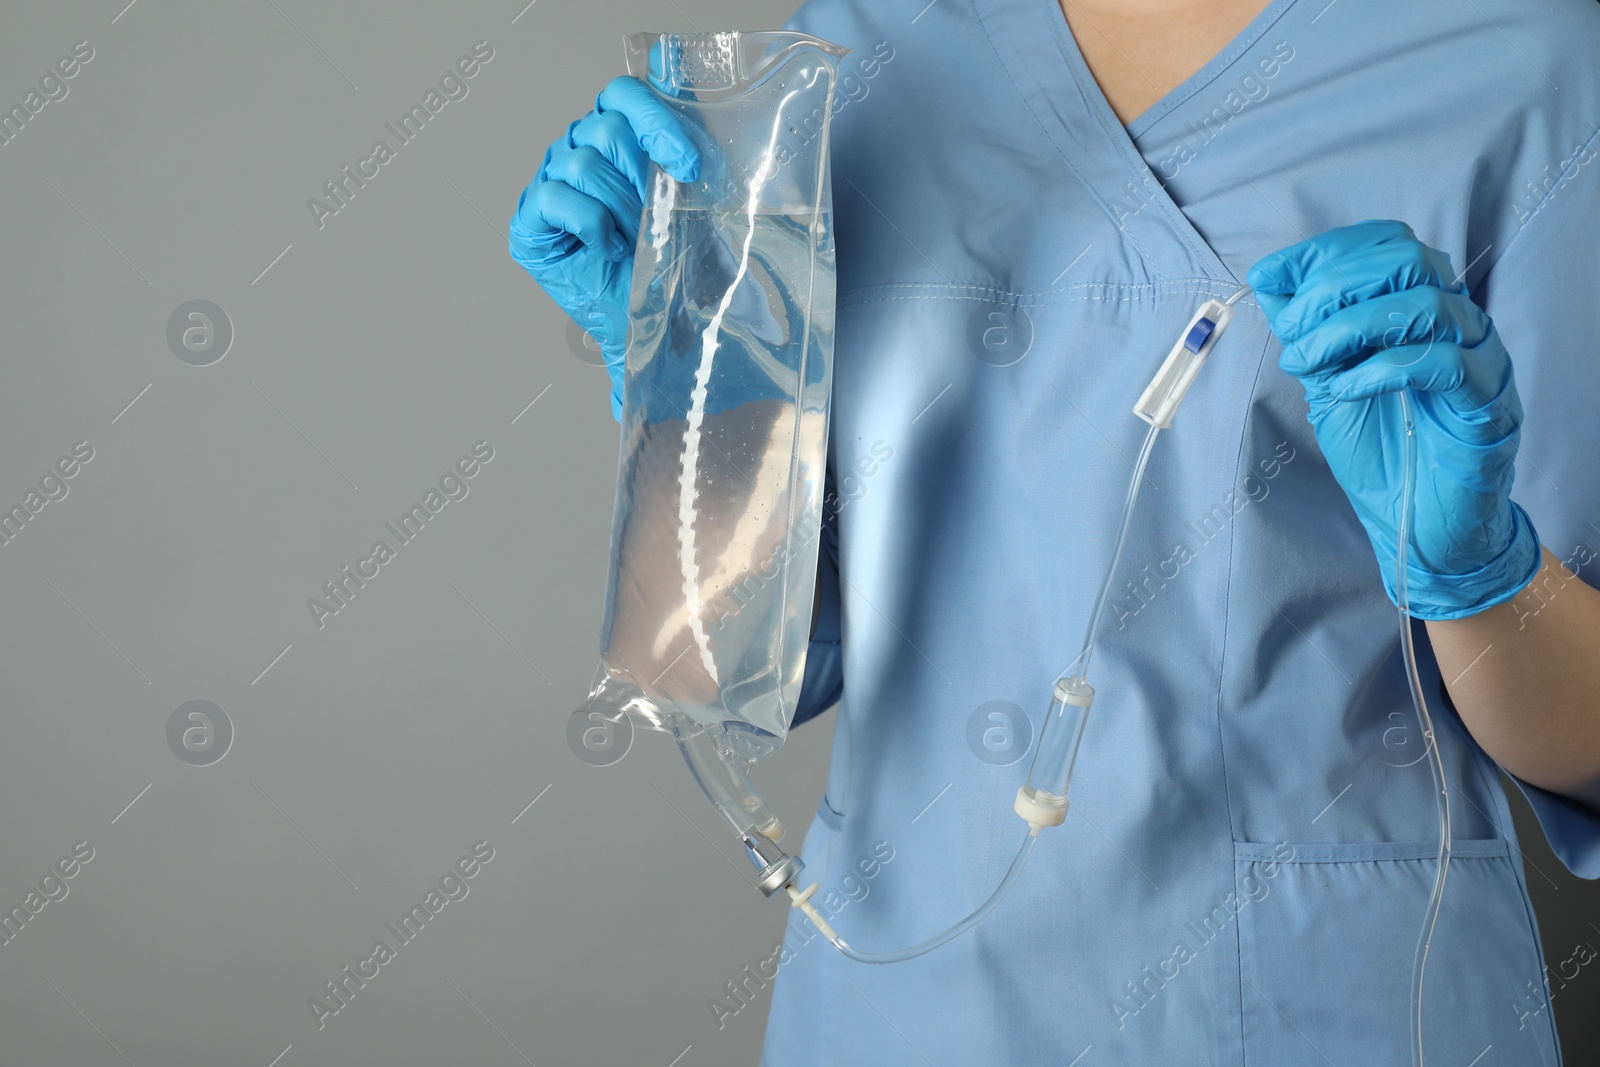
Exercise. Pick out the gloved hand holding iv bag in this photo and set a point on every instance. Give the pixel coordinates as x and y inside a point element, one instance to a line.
<point>725,394</point>
<point>1368,310</point>
<point>577,222</point>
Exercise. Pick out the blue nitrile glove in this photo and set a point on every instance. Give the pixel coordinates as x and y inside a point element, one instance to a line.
<point>1368,310</point>
<point>577,222</point>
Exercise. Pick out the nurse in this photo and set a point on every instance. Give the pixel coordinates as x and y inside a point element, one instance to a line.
<point>1030,201</point>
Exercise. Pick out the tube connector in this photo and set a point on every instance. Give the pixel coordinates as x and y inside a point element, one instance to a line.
<point>1073,691</point>
<point>1040,810</point>
<point>1160,400</point>
<point>802,899</point>
<point>1042,800</point>
<point>775,868</point>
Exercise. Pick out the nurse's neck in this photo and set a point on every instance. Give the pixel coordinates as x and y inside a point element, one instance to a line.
<point>1141,50</point>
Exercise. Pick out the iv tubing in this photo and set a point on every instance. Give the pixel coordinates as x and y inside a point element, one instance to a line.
<point>1441,789</point>
<point>1123,526</point>
<point>1082,662</point>
<point>801,900</point>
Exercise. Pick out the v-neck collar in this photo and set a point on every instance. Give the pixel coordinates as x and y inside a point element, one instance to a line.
<point>1194,82</point>
<point>1027,28</point>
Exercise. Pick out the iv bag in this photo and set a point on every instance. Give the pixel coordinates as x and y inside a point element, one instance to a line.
<point>725,395</point>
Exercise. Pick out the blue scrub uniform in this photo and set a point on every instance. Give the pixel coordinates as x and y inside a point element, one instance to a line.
<point>1250,847</point>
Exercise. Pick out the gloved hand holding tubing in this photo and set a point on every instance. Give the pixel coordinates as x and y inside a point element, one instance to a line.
<point>1368,310</point>
<point>576,223</point>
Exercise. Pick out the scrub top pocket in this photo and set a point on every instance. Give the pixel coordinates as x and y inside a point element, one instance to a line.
<point>1327,935</point>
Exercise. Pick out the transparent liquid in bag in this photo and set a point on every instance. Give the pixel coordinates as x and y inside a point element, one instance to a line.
<point>725,397</point>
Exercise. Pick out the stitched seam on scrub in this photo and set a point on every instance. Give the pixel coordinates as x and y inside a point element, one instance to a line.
<point>1494,791</point>
<point>1538,946</point>
<point>1222,676</point>
<point>1155,288</point>
<point>1535,213</point>
<point>1217,290</point>
<point>1549,194</point>
<point>1368,851</point>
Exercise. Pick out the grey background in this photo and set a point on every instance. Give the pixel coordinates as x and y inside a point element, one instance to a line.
<point>368,755</point>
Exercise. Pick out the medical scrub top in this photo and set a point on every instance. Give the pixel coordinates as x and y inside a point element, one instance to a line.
<point>1250,848</point>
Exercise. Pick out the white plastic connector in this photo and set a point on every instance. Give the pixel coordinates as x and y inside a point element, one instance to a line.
<point>1160,400</point>
<point>1074,691</point>
<point>802,899</point>
<point>1040,811</point>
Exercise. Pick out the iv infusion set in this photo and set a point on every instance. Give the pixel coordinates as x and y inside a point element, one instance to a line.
<point>1042,801</point>
<point>715,535</point>
<point>718,754</point>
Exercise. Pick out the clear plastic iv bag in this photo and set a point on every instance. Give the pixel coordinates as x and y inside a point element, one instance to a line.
<point>725,396</point>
